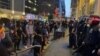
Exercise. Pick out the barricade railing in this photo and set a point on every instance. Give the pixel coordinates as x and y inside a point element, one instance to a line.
<point>21,51</point>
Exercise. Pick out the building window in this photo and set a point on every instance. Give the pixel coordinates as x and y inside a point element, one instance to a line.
<point>5,4</point>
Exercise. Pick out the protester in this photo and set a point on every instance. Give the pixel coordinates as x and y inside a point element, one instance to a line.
<point>2,32</point>
<point>16,39</point>
<point>19,35</point>
<point>51,25</point>
<point>64,27</point>
<point>3,51</point>
<point>38,40</point>
<point>30,31</point>
<point>47,32</point>
<point>24,33</point>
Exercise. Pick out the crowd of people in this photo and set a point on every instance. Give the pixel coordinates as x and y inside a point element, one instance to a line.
<point>84,35</point>
<point>22,33</point>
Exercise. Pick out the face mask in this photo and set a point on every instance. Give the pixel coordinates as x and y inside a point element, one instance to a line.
<point>99,24</point>
<point>88,25</point>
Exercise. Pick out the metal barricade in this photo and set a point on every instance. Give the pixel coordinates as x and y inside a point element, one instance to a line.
<point>26,51</point>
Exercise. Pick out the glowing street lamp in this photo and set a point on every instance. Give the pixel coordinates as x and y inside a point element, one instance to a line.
<point>13,11</point>
<point>49,5</point>
<point>35,1</point>
<point>34,9</point>
<point>30,1</point>
<point>23,13</point>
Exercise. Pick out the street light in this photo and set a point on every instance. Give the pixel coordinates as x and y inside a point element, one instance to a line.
<point>23,13</point>
<point>34,9</point>
<point>13,12</point>
<point>49,5</point>
<point>12,17</point>
<point>30,1</point>
<point>35,1</point>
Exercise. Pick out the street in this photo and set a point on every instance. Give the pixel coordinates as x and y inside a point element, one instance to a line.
<point>59,48</point>
<point>49,27</point>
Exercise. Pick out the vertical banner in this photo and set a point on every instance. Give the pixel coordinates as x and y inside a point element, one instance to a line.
<point>56,12</point>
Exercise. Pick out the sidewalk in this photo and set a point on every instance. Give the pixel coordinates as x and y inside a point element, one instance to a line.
<point>59,48</point>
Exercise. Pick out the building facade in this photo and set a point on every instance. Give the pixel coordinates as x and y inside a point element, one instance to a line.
<point>62,8</point>
<point>30,6</point>
<point>5,4</point>
<point>12,8</point>
<point>84,7</point>
<point>97,8</point>
<point>40,6</point>
<point>73,7</point>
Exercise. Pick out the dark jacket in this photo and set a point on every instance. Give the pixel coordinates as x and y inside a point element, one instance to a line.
<point>3,51</point>
<point>93,37</point>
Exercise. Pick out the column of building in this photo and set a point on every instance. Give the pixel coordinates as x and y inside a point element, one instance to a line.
<point>97,8</point>
<point>86,7</point>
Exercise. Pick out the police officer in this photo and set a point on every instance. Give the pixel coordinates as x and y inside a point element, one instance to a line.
<point>91,41</point>
<point>72,38</point>
<point>38,40</point>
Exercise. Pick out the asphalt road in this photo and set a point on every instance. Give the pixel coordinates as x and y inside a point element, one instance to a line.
<point>59,48</point>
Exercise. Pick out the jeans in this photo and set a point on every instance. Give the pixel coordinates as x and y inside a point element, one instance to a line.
<point>30,39</point>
